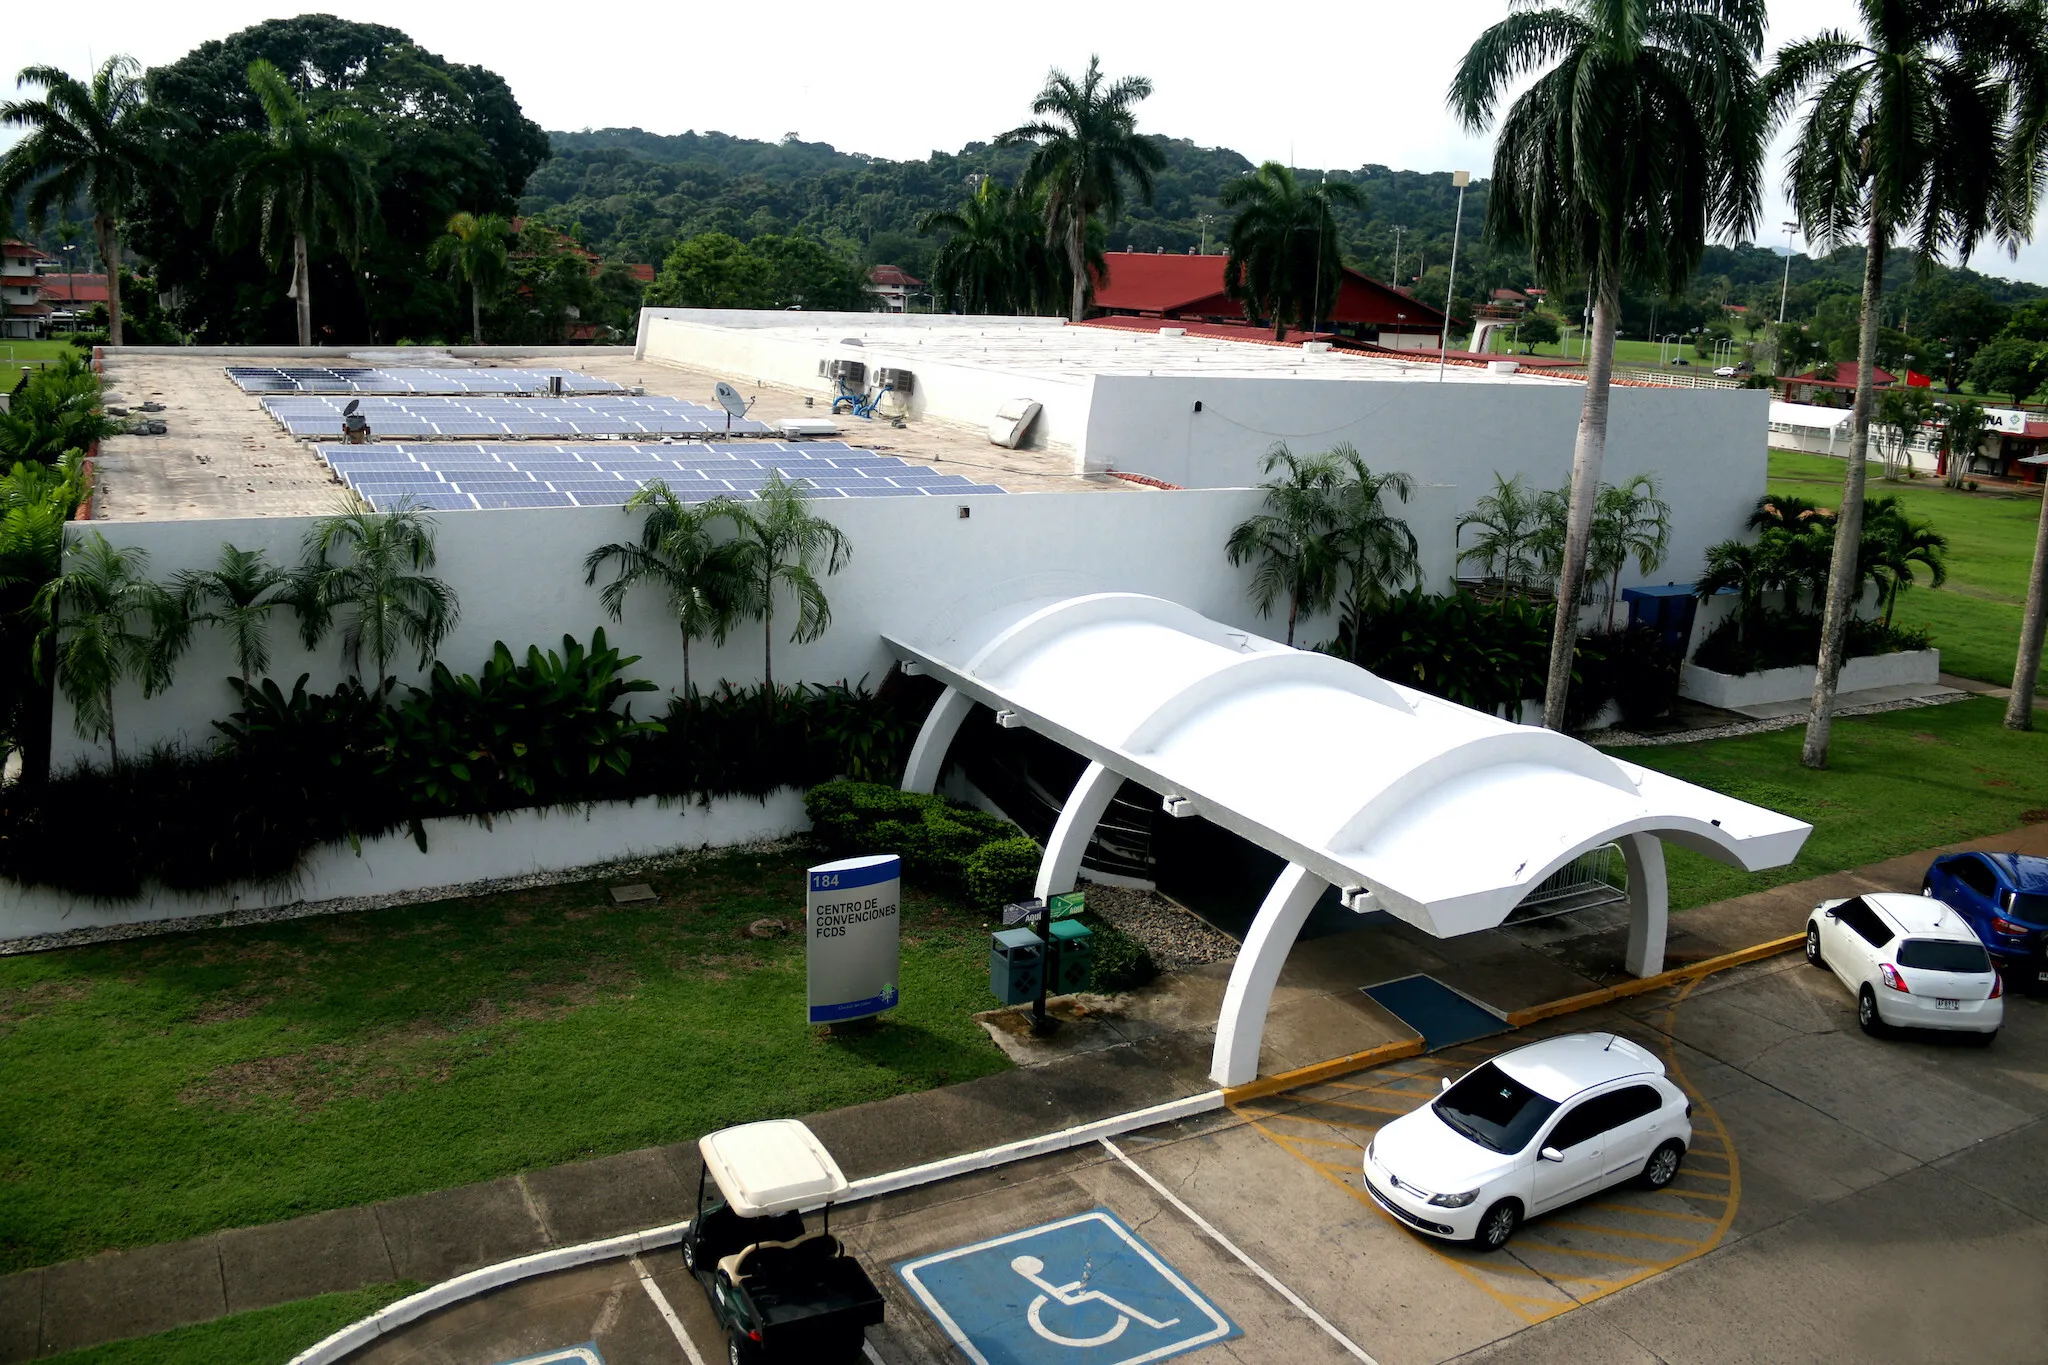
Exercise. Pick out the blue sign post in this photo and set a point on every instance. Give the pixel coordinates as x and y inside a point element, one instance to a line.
<point>851,913</point>
<point>1083,1291</point>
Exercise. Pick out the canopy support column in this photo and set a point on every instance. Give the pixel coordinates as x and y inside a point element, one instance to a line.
<point>1242,1024</point>
<point>1078,817</point>
<point>1649,903</point>
<point>928,755</point>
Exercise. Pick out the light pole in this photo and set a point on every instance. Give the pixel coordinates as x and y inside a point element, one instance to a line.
<point>1394,275</point>
<point>1785,285</point>
<point>1443,351</point>
<point>71,282</point>
<point>1206,218</point>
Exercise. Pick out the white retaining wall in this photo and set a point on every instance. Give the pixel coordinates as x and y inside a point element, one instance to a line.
<point>1921,667</point>
<point>458,853</point>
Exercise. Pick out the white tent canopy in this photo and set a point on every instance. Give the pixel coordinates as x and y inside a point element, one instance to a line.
<point>1444,816</point>
<point>1809,415</point>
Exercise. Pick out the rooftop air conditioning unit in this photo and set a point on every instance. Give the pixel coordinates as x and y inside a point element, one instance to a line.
<point>1173,331</point>
<point>1503,366</point>
<point>1316,347</point>
<point>851,373</point>
<point>901,381</point>
<point>1012,423</point>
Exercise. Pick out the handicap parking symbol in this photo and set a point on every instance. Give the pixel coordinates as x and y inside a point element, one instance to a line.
<point>1084,1289</point>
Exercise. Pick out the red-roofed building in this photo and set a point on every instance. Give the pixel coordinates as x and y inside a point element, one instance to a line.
<point>1801,388</point>
<point>22,310</point>
<point>1190,289</point>
<point>893,285</point>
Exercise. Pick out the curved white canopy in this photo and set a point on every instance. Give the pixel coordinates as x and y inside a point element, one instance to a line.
<point>1448,815</point>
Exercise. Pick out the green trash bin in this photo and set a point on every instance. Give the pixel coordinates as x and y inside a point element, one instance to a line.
<point>1073,945</point>
<point>1014,959</point>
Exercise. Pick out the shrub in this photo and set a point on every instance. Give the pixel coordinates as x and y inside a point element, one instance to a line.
<point>1122,963</point>
<point>1002,871</point>
<point>936,838</point>
<point>1788,639</point>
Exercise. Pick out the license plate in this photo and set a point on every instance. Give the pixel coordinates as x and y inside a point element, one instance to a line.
<point>2041,976</point>
<point>1948,1004</point>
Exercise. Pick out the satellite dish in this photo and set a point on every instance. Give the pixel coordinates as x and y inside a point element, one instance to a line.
<point>350,410</point>
<point>729,399</point>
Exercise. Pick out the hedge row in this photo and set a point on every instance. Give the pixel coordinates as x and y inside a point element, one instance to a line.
<point>942,843</point>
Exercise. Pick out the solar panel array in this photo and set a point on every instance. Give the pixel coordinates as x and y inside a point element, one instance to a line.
<point>525,418</point>
<point>354,379</point>
<point>451,476</point>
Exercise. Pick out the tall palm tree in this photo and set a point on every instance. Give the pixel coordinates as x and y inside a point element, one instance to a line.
<point>677,554</point>
<point>1641,134</point>
<point>1085,143</point>
<point>1288,544</point>
<point>2026,670</point>
<point>303,182</point>
<point>1375,547</point>
<point>473,249</point>
<point>1752,568</point>
<point>777,548</point>
<point>1507,518</point>
<point>239,594</point>
<point>110,624</point>
<point>1928,123</point>
<point>1629,522</point>
<point>1283,260</point>
<point>984,261</point>
<point>91,140</point>
<point>1898,542</point>
<point>370,569</point>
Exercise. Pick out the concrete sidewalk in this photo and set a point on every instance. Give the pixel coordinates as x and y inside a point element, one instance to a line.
<point>1116,1054</point>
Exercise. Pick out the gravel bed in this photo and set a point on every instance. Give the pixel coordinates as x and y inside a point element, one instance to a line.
<point>1617,739</point>
<point>1175,936</point>
<point>347,905</point>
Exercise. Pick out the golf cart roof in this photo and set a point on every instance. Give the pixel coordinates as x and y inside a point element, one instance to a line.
<point>772,1167</point>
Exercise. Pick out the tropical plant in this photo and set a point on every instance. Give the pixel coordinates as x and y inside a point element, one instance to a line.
<point>1084,144</point>
<point>1929,121</point>
<point>676,552</point>
<point>473,249</point>
<point>1901,411</point>
<point>1899,541</point>
<point>777,548</point>
<point>1288,544</point>
<point>1752,568</point>
<point>1374,548</point>
<point>1963,427</point>
<point>1507,519</point>
<point>1641,134</point>
<point>2026,671</point>
<point>239,594</point>
<point>36,502</point>
<point>305,182</point>
<point>57,412</point>
<point>1629,522</point>
<point>84,141</point>
<point>1284,261</point>
<point>994,258</point>
<point>370,570</point>
<point>110,624</point>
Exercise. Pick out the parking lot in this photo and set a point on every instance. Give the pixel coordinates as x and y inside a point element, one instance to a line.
<point>1846,1198</point>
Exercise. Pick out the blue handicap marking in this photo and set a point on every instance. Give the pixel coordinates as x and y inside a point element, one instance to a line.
<point>586,1354</point>
<point>1084,1289</point>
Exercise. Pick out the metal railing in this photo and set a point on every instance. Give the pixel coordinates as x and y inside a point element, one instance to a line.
<point>1592,879</point>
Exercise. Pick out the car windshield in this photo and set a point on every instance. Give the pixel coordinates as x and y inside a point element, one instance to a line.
<point>1494,1109</point>
<point>1943,955</point>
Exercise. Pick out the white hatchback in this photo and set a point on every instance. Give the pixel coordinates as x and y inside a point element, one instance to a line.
<point>1531,1130</point>
<point>1911,961</point>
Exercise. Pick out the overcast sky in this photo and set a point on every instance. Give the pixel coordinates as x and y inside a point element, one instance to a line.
<point>900,80</point>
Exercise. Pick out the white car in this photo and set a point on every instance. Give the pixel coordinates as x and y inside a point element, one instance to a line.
<point>1911,961</point>
<point>1529,1131</point>
<point>1725,371</point>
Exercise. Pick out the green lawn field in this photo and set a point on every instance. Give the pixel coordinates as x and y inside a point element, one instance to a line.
<point>1975,619</point>
<point>35,352</point>
<point>263,1337</point>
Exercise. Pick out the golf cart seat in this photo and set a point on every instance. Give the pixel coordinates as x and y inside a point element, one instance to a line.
<point>767,1257</point>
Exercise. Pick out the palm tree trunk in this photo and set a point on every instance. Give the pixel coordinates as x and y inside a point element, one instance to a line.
<point>1842,581</point>
<point>302,278</point>
<point>686,665</point>
<point>476,335</point>
<point>768,650</point>
<point>113,749</point>
<point>1587,457</point>
<point>1076,233</point>
<point>1293,609</point>
<point>1358,614</point>
<point>107,238</point>
<point>2026,672</point>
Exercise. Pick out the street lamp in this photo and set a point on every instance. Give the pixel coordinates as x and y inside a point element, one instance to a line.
<point>1461,179</point>
<point>1785,286</point>
<point>1206,219</point>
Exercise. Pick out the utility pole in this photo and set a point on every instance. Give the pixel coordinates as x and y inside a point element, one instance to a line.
<point>1394,275</point>
<point>1785,288</point>
<point>1206,219</point>
<point>1461,179</point>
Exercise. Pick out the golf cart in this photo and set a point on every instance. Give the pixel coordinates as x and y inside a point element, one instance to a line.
<point>780,1293</point>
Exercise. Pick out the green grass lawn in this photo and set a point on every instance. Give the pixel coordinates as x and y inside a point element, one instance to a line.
<point>263,1337</point>
<point>1895,782</point>
<point>1625,352</point>
<point>35,352</point>
<point>166,1087</point>
<point>1975,620</point>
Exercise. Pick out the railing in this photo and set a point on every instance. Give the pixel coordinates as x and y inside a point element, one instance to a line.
<point>1674,379</point>
<point>1589,880</point>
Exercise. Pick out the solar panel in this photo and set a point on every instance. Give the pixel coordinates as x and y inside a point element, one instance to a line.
<point>881,490</point>
<point>449,501</point>
<point>599,498</point>
<point>538,498</point>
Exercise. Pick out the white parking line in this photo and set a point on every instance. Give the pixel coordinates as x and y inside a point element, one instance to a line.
<point>1217,1237</point>
<point>668,1314</point>
<point>867,1348</point>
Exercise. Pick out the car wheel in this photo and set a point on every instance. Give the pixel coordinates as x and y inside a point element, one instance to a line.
<point>738,1352</point>
<point>1866,1013</point>
<point>1498,1225</point>
<point>689,1255</point>
<point>1662,1167</point>
<point>1813,957</point>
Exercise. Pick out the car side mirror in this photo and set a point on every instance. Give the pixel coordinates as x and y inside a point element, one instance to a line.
<point>1830,914</point>
<point>1550,1154</point>
<point>1445,1089</point>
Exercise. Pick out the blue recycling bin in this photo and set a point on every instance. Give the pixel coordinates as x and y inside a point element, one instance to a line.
<point>1015,959</point>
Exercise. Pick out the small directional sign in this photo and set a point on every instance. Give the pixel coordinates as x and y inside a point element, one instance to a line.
<point>1020,912</point>
<point>1067,904</point>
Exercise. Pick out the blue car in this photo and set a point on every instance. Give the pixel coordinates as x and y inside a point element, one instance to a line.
<point>2004,896</point>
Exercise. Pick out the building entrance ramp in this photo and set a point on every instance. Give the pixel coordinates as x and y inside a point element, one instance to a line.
<point>1441,1015</point>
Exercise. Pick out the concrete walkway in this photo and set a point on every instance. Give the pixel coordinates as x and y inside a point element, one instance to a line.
<point>1116,1054</point>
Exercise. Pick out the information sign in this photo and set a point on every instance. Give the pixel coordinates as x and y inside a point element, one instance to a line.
<point>851,922</point>
<point>1067,904</point>
<point>1018,911</point>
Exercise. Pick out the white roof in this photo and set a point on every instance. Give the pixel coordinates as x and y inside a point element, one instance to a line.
<point>1807,415</point>
<point>1559,1068</point>
<point>771,1167</point>
<point>1450,816</point>
<point>1921,915</point>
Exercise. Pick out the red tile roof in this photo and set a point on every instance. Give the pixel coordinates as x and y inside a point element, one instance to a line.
<point>21,250</point>
<point>893,277</point>
<point>28,310</point>
<point>642,272</point>
<point>1845,377</point>
<point>60,287</point>
<point>1178,287</point>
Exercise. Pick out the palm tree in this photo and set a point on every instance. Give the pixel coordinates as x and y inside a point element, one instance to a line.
<point>36,503</point>
<point>1963,428</point>
<point>1752,568</point>
<point>1289,543</point>
<point>1928,122</point>
<point>2026,669</point>
<point>1641,134</point>
<point>110,623</point>
<point>93,141</point>
<point>984,262</point>
<point>239,594</point>
<point>1629,521</point>
<point>370,567</point>
<point>305,181</point>
<point>1085,143</point>
<point>678,554</point>
<point>1897,543</point>
<point>1284,260</point>
<point>473,248</point>
<point>1507,516</point>
<point>1375,547</point>
<point>778,544</point>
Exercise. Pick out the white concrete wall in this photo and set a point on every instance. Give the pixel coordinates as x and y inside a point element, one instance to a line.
<point>1918,667</point>
<point>458,853</point>
<point>1705,447</point>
